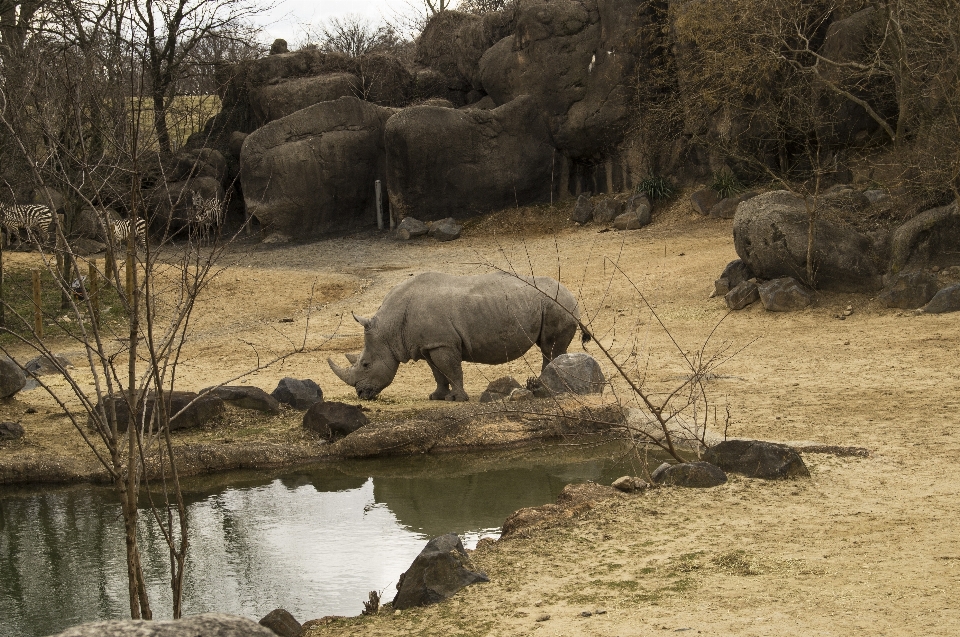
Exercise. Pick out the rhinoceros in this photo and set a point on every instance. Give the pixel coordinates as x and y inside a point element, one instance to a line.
<point>447,319</point>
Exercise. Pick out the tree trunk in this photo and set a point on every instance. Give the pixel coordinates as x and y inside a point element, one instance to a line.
<point>160,122</point>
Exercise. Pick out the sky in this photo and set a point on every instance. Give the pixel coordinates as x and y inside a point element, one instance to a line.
<point>286,20</point>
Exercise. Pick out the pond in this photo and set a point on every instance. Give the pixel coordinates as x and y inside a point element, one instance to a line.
<point>314,540</point>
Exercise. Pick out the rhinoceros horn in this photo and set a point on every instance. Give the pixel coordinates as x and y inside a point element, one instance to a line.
<point>347,375</point>
<point>365,322</point>
<point>352,358</point>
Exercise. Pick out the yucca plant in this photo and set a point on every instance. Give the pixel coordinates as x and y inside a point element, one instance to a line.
<point>726,183</point>
<point>656,187</point>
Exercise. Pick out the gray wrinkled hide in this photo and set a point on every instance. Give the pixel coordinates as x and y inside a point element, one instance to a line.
<point>207,625</point>
<point>446,320</point>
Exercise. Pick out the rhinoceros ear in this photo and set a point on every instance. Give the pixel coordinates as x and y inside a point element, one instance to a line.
<point>365,322</point>
<point>352,358</point>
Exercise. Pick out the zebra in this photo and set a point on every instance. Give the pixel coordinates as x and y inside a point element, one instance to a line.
<point>207,216</point>
<point>34,218</point>
<point>121,232</point>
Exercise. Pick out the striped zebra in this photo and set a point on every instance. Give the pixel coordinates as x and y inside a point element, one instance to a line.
<point>207,217</point>
<point>34,218</point>
<point>121,232</point>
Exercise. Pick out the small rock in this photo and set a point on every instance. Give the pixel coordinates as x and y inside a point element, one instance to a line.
<point>11,430</point>
<point>410,227</point>
<point>736,272</point>
<point>187,409</point>
<point>583,211</point>
<point>42,365</point>
<point>282,623</point>
<point>742,295</point>
<point>629,484</point>
<point>499,389</point>
<point>299,394</point>
<point>607,210</point>
<point>538,388</point>
<point>946,300</point>
<point>334,420</point>
<point>690,474</point>
<point>445,230</point>
<point>542,618</point>
<point>785,294</point>
<point>276,238</point>
<point>577,373</point>
<point>909,290</point>
<point>630,221</point>
<point>586,613</point>
<point>704,200</point>
<point>720,287</point>
<point>874,195</point>
<point>847,312</point>
<point>520,394</point>
<point>279,46</point>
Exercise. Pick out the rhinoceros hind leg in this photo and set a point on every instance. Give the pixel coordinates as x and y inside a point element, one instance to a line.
<point>447,369</point>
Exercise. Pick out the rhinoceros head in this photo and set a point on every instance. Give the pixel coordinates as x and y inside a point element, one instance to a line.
<point>373,370</point>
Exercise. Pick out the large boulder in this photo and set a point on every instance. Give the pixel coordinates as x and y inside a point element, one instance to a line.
<point>333,420</point>
<point>946,300</point>
<point>757,459</point>
<point>442,161</point>
<point>245,397</point>
<point>42,365</point>
<point>689,474</point>
<point>93,223</point>
<point>10,430</point>
<point>929,238</point>
<point>452,43</point>
<point>578,58</point>
<point>299,394</point>
<point>207,625</point>
<point>909,290</point>
<point>187,410</point>
<point>314,171</point>
<point>577,373</point>
<point>12,378</point>
<point>198,162</point>
<point>770,235</point>
<point>583,209</point>
<point>442,568</point>
<point>282,622</point>
<point>742,295</point>
<point>785,294</point>
<point>273,101</point>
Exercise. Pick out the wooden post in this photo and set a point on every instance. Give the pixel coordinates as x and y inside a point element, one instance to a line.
<point>109,266</point>
<point>376,187</point>
<point>93,289</point>
<point>37,308</point>
<point>66,266</point>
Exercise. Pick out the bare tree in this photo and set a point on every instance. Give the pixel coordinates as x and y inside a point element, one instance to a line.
<point>354,36</point>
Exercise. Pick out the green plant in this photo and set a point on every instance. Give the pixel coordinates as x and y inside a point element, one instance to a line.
<point>656,187</point>
<point>726,183</point>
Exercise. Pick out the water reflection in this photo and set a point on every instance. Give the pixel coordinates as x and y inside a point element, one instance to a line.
<point>313,541</point>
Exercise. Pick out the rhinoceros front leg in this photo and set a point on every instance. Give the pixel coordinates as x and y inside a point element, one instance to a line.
<point>447,368</point>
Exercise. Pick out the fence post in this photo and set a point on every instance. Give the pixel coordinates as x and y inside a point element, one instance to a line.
<point>376,187</point>
<point>37,311</point>
<point>93,289</point>
<point>109,266</point>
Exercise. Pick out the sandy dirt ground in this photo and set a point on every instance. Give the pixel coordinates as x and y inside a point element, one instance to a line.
<point>865,546</point>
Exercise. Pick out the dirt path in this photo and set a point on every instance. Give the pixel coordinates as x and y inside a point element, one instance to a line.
<point>866,546</point>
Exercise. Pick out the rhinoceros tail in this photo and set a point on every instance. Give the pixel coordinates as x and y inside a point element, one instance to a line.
<point>585,335</point>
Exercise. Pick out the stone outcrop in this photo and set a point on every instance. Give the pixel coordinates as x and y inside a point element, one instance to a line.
<point>577,373</point>
<point>443,162</point>
<point>770,235</point>
<point>314,171</point>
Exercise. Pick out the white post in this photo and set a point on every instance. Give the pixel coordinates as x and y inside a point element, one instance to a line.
<point>376,186</point>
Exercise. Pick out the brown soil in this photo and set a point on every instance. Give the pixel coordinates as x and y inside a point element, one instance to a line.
<point>866,545</point>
